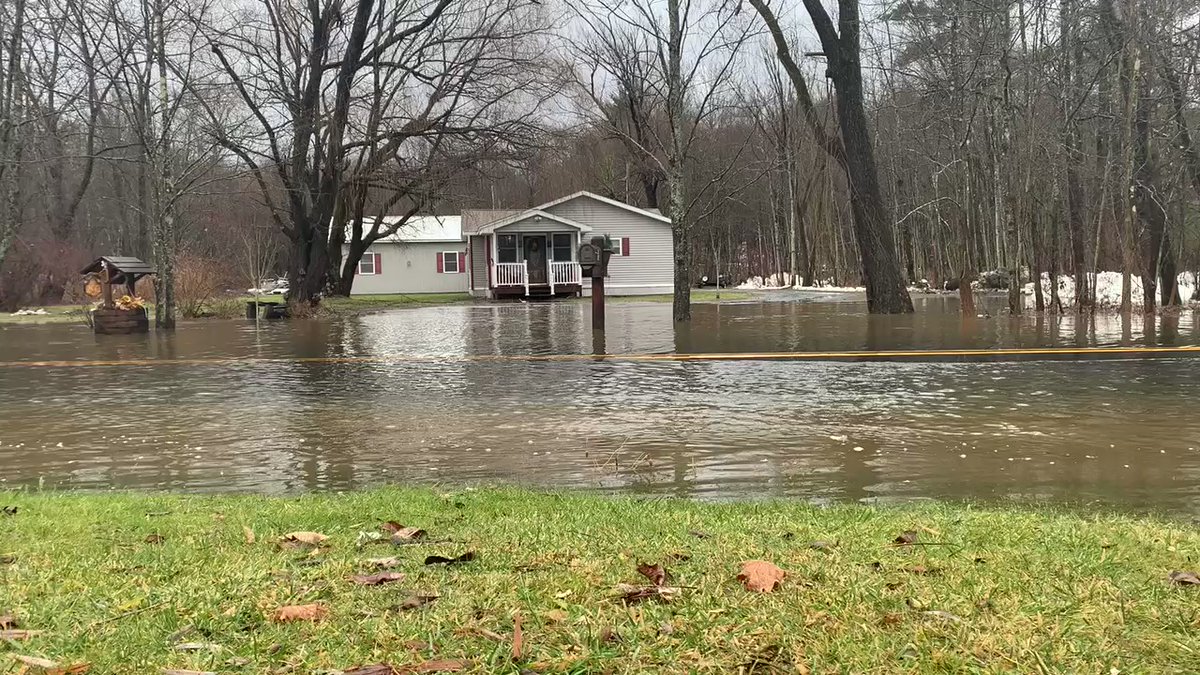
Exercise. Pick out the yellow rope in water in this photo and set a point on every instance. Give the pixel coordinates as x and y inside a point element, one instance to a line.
<point>910,355</point>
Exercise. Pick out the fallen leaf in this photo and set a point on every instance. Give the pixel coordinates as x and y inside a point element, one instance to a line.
<point>35,662</point>
<point>303,539</point>
<point>439,666</point>
<point>197,647</point>
<point>822,546</point>
<point>891,619</point>
<point>556,616</point>
<point>8,621</point>
<point>407,535</point>
<point>383,563</point>
<point>1180,578</point>
<point>377,579</point>
<point>943,615</point>
<point>415,601</point>
<point>17,634</point>
<point>417,645</point>
<point>698,534</point>
<point>760,576</point>
<point>633,594</point>
<point>155,538</point>
<point>906,538</point>
<point>518,641</point>
<point>609,635</point>
<point>442,560</point>
<point>48,667</point>
<point>249,534</point>
<point>373,669</point>
<point>313,612</point>
<point>10,510</point>
<point>655,573</point>
<point>666,628</point>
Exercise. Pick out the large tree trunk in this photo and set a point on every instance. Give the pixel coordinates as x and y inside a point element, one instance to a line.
<point>164,211</point>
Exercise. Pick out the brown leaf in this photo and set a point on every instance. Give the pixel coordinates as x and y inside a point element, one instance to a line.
<point>17,634</point>
<point>391,527</point>
<point>373,669</point>
<point>609,635</point>
<point>760,576</point>
<point>8,621</point>
<point>415,601</point>
<point>417,645</point>
<point>407,535</point>
<point>249,534</point>
<point>906,538</point>
<point>438,666</point>
<point>35,662</point>
<point>442,560</point>
<point>891,619</point>
<point>304,538</point>
<point>377,579</point>
<point>383,563</point>
<point>313,612</point>
<point>48,667</point>
<point>655,573</point>
<point>518,641</point>
<point>1180,578</point>
<point>155,538</point>
<point>10,510</point>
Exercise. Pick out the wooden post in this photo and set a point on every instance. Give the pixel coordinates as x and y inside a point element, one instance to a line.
<point>106,285</point>
<point>598,272</point>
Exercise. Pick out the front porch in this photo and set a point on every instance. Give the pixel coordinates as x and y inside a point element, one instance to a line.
<point>534,264</point>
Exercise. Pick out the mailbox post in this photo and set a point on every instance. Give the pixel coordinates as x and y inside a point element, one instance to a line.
<point>593,259</point>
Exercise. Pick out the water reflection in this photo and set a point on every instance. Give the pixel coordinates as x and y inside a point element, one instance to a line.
<point>1122,433</point>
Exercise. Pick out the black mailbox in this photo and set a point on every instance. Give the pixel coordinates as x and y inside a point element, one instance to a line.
<point>589,257</point>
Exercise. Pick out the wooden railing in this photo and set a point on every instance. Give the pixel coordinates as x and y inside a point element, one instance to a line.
<point>511,274</point>
<point>567,272</point>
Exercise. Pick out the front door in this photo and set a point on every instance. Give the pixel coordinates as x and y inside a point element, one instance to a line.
<point>535,258</point>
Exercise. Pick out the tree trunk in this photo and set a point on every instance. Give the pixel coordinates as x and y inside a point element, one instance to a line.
<point>164,225</point>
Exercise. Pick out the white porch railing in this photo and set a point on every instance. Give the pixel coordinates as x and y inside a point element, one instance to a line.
<point>511,274</point>
<point>566,272</point>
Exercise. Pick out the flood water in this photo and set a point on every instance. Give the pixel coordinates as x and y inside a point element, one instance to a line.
<point>405,397</point>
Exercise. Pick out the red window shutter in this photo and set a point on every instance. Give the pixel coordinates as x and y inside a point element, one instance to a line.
<point>462,262</point>
<point>624,246</point>
<point>378,263</point>
<point>440,267</point>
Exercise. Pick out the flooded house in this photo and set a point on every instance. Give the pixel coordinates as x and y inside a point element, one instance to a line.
<point>522,252</point>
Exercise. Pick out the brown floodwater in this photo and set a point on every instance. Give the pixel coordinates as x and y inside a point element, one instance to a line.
<point>403,396</point>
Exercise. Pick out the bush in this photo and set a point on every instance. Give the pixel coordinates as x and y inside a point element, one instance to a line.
<point>197,283</point>
<point>996,280</point>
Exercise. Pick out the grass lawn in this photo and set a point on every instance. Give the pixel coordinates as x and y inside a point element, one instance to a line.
<point>136,583</point>
<point>359,303</point>
<point>54,314</point>
<point>704,295</point>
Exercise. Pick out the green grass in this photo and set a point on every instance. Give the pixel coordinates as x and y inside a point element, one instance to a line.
<point>367,303</point>
<point>698,296</point>
<point>55,314</point>
<point>985,591</point>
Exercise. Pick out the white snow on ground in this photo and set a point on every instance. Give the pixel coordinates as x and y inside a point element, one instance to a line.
<point>1108,289</point>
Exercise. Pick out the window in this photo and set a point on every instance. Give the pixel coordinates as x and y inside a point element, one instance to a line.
<point>506,244</point>
<point>450,262</point>
<point>369,263</point>
<point>620,246</point>
<point>562,248</point>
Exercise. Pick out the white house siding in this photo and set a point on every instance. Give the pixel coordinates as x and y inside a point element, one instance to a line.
<point>647,270</point>
<point>535,226</point>
<point>479,263</point>
<point>411,268</point>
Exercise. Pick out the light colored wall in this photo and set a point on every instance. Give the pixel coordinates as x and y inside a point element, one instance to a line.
<point>647,270</point>
<point>535,226</point>
<point>411,268</point>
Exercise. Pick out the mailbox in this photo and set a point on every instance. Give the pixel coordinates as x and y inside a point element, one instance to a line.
<point>589,257</point>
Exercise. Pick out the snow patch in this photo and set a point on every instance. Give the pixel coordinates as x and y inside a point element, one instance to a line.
<point>1108,289</point>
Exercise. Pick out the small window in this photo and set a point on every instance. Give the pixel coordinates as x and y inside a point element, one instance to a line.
<point>620,246</point>
<point>450,262</point>
<point>366,264</point>
<point>506,244</point>
<point>562,248</point>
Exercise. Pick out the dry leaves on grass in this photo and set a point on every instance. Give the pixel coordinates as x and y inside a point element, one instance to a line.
<point>760,576</point>
<point>18,634</point>
<point>155,538</point>
<point>377,579</point>
<point>1181,578</point>
<point>290,613</point>
<point>401,534</point>
<point>658,590</point>
<point>10,510</point>
<point>436,666</point>
<point>383,563</point>
<point>295,540</point>
<point>655,573</point>
<point>175,671</point>
<point>415,601</point>
<point>34,664</point>
<point>518,642</point>
<point>906,538</point>
<point>8,621</point>
<point>249,535</point>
